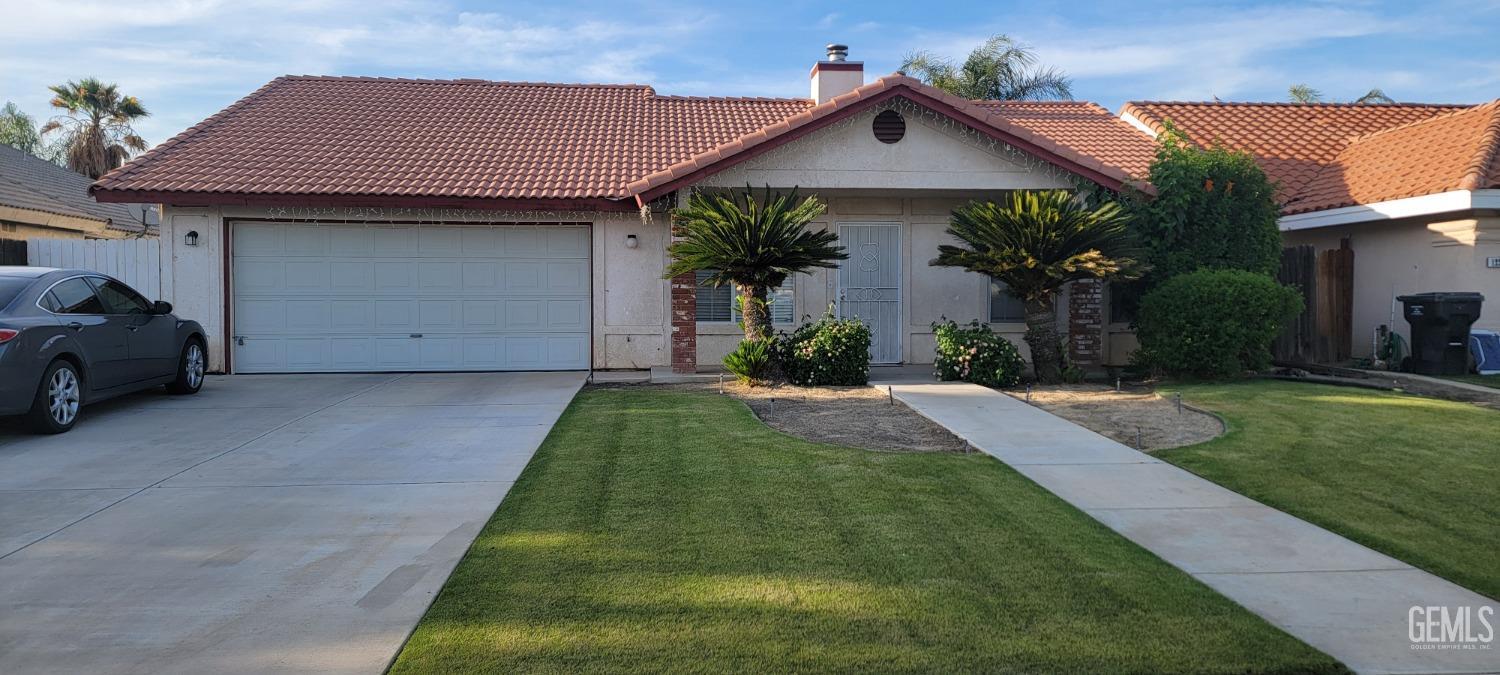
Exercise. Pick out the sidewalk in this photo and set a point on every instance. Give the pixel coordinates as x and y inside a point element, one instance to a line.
<point>1338,596</point>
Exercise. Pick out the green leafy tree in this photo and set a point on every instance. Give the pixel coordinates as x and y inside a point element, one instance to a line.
<point>1035,243</point>
<point>18,130</point>
<point>754,244</point>
<point>1001,69</point>
<point>96,129</point>
<point>1214,208</point>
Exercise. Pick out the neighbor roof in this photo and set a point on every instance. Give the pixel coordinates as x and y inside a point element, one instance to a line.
<point>377,140</point>
<point>28,182</point>
<point>1308,148</point>
<point>1453,151</point>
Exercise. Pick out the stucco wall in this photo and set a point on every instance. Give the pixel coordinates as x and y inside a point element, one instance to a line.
<point>629,296</point>
<point>29,224</point>
<point>929,293</point>
<point>1413,256</point>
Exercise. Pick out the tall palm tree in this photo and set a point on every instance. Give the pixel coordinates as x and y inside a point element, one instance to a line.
<point>1035,243</point>
<point>754,244</point>
<point>1001,69</point>
<point>96,129</point>
<point>1301,93</point>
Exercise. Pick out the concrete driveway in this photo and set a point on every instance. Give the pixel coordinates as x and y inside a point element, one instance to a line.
<point>270,523</point>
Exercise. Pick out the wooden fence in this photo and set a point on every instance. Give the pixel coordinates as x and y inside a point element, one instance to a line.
<point>137,262</point>
<point>1323,332</point>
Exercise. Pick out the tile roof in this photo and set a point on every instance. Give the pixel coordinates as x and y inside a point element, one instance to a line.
<point>1297,145</point>
<point>1454,151</point>
<point>311,137</point>
<point>28,182</point>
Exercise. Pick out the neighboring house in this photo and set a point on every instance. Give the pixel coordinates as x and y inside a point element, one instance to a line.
<point>1414,189</point>
<point>383,224</point>
<point>39,199</point>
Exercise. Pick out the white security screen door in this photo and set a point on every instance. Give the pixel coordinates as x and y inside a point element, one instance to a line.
<point>870,284</point>
<point>312,297</point>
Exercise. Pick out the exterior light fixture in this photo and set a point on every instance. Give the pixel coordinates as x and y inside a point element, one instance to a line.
<point>631,241</point>
<point>191,238</point>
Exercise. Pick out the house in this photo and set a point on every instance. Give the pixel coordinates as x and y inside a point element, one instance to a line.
<point>39,199</point>
<point>358,224</point>
<point>366,224</point>
<point>1413,190</point>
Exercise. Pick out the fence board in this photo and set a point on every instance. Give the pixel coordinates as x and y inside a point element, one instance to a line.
<point>12,252</point>
<point>136,262</point>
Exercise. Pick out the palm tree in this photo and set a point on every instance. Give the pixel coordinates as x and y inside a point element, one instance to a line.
<point>1301,93</point>
<point>752,243</point>
<point>96,129</point>
<point>1036,243</point>
<point>1001,69</point>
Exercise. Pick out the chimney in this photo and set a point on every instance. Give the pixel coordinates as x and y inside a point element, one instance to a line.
<point>836,75</point>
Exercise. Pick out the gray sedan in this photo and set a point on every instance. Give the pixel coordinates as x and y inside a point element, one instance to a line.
<point>72,337</point>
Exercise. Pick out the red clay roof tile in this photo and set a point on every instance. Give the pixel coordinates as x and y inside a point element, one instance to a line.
<point>310,137</point>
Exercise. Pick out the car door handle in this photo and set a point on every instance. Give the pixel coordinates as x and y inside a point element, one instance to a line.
<point>132,328</point>
<point>75,325</point>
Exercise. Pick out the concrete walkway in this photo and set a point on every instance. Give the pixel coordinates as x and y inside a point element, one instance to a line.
<point>1336,595</point>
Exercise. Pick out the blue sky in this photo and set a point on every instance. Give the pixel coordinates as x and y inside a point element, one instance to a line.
<point>187,59</point>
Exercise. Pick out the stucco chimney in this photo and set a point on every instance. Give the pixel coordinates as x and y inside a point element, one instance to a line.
<point>836,75</point>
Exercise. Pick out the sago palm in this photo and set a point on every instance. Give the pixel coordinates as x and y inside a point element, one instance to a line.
<point>96,129</point>
<point>754,244</point>
<point>1035,243</point>
<point>1001,69</point>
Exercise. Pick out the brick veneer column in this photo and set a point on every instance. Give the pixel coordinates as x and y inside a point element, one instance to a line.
<point>1086,322</point>
<point>685,323</point>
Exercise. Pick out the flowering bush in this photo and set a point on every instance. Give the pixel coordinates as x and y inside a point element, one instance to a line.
<point>828,352</point>
<point>973,353</point>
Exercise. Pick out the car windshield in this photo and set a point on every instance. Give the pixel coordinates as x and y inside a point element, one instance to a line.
<point>10,287</point>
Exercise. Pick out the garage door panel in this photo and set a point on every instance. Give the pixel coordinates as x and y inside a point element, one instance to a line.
<point>357,298</point>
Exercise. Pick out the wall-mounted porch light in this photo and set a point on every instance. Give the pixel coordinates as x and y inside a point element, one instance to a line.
<point>191,238</point>
<point>631,241</point>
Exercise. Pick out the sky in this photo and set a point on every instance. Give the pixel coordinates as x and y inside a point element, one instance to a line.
<point>186,59</point>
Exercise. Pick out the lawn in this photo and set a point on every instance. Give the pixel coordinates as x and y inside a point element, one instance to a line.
<point>1415,478</point>
<point>672,531</point>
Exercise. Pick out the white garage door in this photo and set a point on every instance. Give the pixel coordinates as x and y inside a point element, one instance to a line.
<point>331,298</point>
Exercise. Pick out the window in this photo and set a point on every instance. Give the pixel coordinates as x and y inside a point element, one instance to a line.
<point>10,287</point>
<point>76,296</point>
<point>119,298</point>
<point>1004,308</point>
<point>717,305</point>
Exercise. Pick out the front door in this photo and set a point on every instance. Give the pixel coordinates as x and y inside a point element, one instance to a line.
<point>870,284</point>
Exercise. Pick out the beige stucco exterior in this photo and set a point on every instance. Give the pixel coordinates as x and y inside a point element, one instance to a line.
<point>1413,255</point>
<point>915,183</point>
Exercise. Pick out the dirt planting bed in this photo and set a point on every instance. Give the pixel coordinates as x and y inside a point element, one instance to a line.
<point>1121,415</point>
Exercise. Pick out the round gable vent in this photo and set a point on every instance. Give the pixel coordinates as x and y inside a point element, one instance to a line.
<point>889,126</point>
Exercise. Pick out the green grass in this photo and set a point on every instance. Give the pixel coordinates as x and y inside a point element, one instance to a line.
<point>1415,478</point>
<point>672,531</point>
<point>1481,380</point>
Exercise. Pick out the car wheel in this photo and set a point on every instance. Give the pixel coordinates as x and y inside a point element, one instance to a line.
<point>191,367</point>
<point>59,398</point>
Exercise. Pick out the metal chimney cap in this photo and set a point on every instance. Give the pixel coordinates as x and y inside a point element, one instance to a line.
<point>837,52</point>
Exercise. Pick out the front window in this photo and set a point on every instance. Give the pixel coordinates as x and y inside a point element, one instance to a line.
<point>1004,307</point>
<point>717,304</point>
<point>119,298</point>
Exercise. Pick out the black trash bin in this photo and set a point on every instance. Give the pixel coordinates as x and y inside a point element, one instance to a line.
<point>1440,330</point>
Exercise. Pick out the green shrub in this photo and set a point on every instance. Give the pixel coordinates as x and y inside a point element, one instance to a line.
<point>973,353</point>
<point>1213,323</point>
<point>828,352</point>
<point>754,361</point>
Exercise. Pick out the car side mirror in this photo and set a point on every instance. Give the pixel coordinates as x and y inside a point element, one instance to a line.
<point>161,307</point>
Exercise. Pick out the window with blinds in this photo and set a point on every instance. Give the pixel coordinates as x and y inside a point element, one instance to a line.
<point>716,305</point>
<point>1004,308</point>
